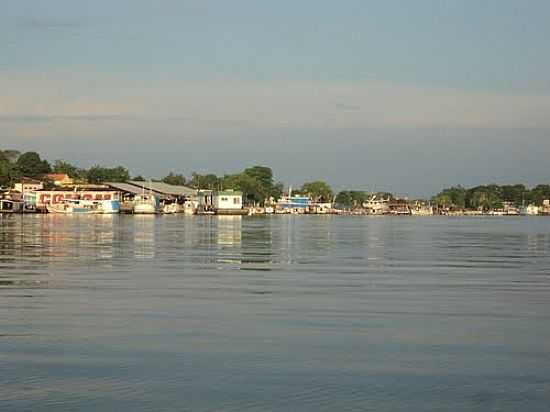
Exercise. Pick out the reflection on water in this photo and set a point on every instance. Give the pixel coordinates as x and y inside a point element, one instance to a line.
<point>274,313</point>
<point>144,236</point>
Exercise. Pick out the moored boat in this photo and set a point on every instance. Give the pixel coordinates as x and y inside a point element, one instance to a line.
<point>70,206</point>
<point>146,204</point>
<point>109,206</point>
<point>11,206</point>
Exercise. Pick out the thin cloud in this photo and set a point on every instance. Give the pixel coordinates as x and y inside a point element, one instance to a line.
<point>45,119</point>
<point>40,24</point>
<point>33,119</point>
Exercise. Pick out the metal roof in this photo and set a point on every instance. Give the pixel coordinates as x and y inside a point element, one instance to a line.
<point>125,187</point>
<point>137,187</point>
<point>165,188</point>
<point>228,193</point>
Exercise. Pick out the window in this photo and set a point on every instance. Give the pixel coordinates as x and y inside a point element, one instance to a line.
<point>224,199</point>
<point>236,200</point>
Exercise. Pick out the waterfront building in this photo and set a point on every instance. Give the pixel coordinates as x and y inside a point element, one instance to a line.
<point>227,200</point>
<point>28,185</point>
<point>43,198</point>
<point>59,179</point>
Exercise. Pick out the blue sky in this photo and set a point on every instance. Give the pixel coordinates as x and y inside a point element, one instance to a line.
<point>398,95</point>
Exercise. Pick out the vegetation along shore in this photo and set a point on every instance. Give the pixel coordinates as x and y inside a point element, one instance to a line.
<point>30,183</point>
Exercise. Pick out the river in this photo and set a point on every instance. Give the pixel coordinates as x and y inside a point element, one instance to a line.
<point>301,313</point>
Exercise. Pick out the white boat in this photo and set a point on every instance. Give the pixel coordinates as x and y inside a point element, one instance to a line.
<point>146,204</point>
<point>189,208</point>
<point>109,206</point>
<point>376,206</point>
<point>172,208</point>
<point>73,206</point>
<point>10,206</point>
<point>70,206</point>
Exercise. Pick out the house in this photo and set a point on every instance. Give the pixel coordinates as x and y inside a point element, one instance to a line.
<point>59,179</point>
<point>28,185</point>
<point>227,200</point>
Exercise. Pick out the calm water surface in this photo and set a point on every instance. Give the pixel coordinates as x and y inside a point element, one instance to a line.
<point>307,313</point>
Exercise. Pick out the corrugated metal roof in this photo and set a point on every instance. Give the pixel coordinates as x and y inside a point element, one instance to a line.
<point>165,188</point>
<point>137,187</point>
<point>124,187</point>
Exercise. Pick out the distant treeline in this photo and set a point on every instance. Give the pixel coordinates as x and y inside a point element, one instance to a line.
<point>491,196</point>
<point>257,184</point>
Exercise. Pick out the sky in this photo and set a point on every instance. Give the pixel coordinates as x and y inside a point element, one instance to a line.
<point>404,96</point>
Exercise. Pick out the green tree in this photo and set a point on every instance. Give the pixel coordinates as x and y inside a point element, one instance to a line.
<point>208,181</point>
<point>351,198</point>
<point>263,174</point>
<point>61,166</point>
<point>454,197</point>
<point>266,187</point>
<point>277,191</point>
<point>138,178</point>
<point>11,155</point>
<point>344,198</point>
<point>318,190</point>
<point>174,179</point>
<point>539,193</point>
<point>99,174</point>
<point>31,165</point>
<point>253,192</point>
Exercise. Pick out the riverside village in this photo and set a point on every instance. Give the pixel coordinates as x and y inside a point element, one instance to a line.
<point>28,184</point>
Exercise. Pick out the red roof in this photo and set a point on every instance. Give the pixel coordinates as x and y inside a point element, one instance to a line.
<point>57,176</point>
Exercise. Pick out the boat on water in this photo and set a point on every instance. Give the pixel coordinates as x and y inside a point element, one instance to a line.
<point>146,204</point>
<point>70,206</point>
<point>172,208</point>
<point>109,206</point>
<point>11,206</point>
<point>78,206</point>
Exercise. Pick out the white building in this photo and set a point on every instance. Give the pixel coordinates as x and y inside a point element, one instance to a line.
<point>227,200</point>
<point>532,210</point>
<point>29,185</point>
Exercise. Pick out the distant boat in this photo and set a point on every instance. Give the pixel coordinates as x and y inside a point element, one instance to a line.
<point>146,204</point>
<point>11,206</point>
<point>73,206</point>
<point>172,208</point>
<point>109,206</point>
<point>77,206</point>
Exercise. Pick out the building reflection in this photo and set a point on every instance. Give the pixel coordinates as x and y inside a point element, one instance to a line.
<point>228,235</point>
<point>257,243</point>
<point>229,230</point>
<point>144,236</point>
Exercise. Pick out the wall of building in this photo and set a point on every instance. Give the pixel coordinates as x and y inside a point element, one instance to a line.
<point>45,197</point>
<point>227,201</point>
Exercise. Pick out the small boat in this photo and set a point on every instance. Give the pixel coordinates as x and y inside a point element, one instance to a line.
<point>73,206</point>
<point>146,204</point>
<point>172,208</point>
<point>10,206</point>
